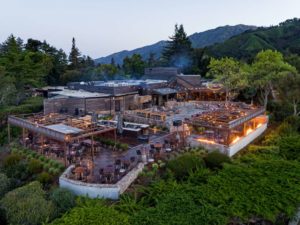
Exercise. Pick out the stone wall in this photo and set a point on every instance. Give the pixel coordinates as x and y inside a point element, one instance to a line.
<point>108,191</point>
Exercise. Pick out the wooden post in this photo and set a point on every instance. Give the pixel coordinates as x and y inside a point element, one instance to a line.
<point>92,145</point>
<point>115,138</point>
<point>8,133</point>
<point>65,153</point>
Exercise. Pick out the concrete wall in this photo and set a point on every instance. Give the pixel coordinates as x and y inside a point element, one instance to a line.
<point>234,148</point>
<point>108,191</point>
<point>243,142</point>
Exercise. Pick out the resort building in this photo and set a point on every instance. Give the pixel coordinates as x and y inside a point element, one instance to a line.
<point>106,131</point>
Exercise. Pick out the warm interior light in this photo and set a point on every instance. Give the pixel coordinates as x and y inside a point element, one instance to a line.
<point>206,141</point>
<point>235,140</point>
<point>248,131</point>
<point>258,125</point>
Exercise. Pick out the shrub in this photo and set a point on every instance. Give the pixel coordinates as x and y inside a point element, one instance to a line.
<point>290,147</point>
<point>46,166</point>
<point>42,158</point>
<point>5,184</point>
<point>199,176</point>
<point>27,205</point>
<point>63,199</point>
<point>184,164</point>
<point>12,160</point>
<point>93,212</point>
<point>215,160</point>
<point>44,178</point>
<point>35,166</point>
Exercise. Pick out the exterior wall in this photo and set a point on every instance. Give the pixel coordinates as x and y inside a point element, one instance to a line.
<point>232,149</point>
<point>55,105</point>
<point>108,191</point>
<point>243,142</point>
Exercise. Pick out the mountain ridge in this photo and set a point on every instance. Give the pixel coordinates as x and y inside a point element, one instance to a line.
<point>198,39</point>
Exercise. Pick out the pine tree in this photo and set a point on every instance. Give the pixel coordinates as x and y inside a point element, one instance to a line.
<point>74,56</point>
<point>178,51</point>
<point>151,59</point>
<point>112,61</point>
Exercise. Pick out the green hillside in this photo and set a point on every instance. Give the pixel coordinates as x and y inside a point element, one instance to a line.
<point>285,38</point>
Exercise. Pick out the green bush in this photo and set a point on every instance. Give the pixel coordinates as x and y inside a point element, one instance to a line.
<point>215,160</point>
<point>27,205</point>
<point>93,212</point>
<point>63,200</point>
<point>46,166</point>
<point>44,178</point>
<point>5,184</point>
<point>12,160</point>
<point>35,166</point>
<point>290,147</point>
<point>184,164</point>
<point>42,158</point>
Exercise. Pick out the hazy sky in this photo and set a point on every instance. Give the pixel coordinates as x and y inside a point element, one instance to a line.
<point>102,27</point>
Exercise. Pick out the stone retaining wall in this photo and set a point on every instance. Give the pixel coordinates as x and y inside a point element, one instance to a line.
<point>109,191</point>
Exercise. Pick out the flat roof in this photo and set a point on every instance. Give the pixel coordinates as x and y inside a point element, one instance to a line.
<point>78,93</point>
<point>62,128</point>
<point>164,91</point>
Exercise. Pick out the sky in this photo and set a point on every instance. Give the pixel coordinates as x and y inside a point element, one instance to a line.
<point>102,27</point>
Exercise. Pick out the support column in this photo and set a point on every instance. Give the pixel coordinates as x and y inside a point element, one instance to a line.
<point>92,147</point>
<point>115,138</point>
<point>228,138</point>
<point>65,154</point>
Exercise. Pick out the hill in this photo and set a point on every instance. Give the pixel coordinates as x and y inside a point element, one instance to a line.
<point>285,38</point>
<point>199,40</point>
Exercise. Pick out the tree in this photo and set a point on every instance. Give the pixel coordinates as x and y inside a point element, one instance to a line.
<point>268,67</point>
<point>151,62</point>
<point>74,56</point>
<point>112,62</point>
<point>107,71</point>
<point>27,205</point>
<point>289,90</point>
<point>200,62</point>
<point>134,65</point>
<point>230,73</point>
<point>8,91</point>
<point>178,51</point>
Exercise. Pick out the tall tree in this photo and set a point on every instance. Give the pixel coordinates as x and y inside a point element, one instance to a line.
<point>178,51</point>
<point>289,91</point>
<point>230,74</point>
<point>112,61</point>
<point>268,67</point>
<point>134,65</point>
<point>74,56</point>
<point>151,60</point>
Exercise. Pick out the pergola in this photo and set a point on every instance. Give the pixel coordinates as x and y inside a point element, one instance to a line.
<point>63,128</point>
